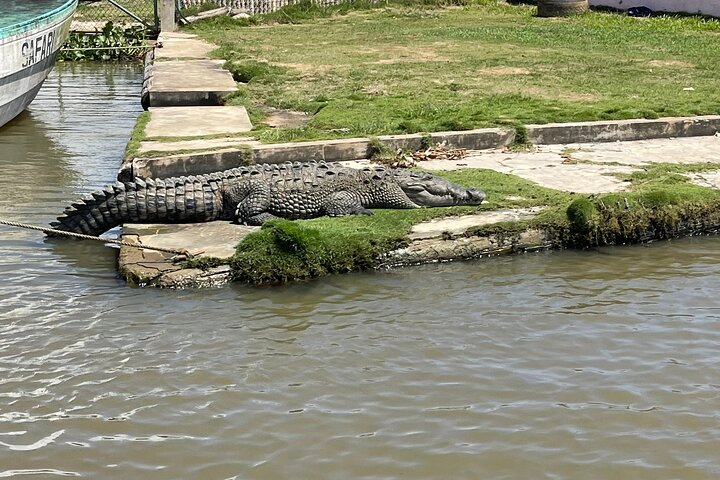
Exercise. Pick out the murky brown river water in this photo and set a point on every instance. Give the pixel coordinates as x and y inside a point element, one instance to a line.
<point>565,365</point>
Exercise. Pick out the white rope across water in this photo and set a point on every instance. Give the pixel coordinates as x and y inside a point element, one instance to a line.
<point>82,236</point>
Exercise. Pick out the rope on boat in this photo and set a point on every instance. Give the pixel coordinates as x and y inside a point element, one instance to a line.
<point>82,236</point>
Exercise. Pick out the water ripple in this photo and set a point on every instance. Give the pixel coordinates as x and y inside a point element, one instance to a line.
<point>35,445</point>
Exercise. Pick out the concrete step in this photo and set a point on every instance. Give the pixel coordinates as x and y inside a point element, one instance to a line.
<point>197,121</point>
<point>178,45</point>
<point>197,82</point>
<point>152,268</point>
<point>195,145</point>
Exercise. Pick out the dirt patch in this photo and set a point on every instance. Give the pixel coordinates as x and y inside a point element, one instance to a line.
<point>277,118</point>
<point>504,71</point>
<point>534,91</point>
<point>670,63</point>
<point>375,89</point>
<point>402,54</point>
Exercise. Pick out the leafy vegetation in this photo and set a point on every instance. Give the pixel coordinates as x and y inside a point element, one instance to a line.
<point>113,42</point>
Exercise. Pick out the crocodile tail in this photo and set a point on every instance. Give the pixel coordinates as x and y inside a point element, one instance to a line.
<point>174,200</point>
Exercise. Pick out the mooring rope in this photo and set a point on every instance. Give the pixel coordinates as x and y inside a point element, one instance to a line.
<point>82,236</point>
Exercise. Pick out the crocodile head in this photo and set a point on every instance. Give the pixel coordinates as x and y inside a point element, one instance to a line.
<point>427,190</point>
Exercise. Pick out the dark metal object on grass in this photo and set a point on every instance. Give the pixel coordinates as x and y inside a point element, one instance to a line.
<point>561,8</point>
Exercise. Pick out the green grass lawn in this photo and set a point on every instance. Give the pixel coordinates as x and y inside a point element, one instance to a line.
<point>404,69</point>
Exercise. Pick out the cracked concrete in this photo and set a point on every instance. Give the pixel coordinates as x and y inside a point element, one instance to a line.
<point>441,227</point>
<point>587,167</point>
<point>710,179</point>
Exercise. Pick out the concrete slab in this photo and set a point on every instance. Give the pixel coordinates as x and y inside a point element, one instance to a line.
<point>709,179</point>
<point>189,83</point>
<point>458,225</point>
<point>176,35</point>
<point>544,168</point>
<point>587,167</point>
<point>197,121</point>
<point>213,239</point>
<point>199,145</point>
<point>175,45</point>
<point>644,152</point>
<point>146,267</point>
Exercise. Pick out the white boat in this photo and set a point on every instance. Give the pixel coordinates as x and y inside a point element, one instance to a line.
<point>31,34</point>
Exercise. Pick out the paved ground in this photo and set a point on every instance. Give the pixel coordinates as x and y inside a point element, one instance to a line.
<point>182,74</point>
<point>197,121</point>
<point>589,167</point>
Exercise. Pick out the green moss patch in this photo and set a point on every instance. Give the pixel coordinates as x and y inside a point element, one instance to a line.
<point>284,250</point>
<point>137,135</point>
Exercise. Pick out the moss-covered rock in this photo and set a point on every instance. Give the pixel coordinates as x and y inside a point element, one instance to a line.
<point>583,216</point>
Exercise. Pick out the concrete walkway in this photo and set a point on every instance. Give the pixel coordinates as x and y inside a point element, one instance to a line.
<point>180,72</point>
<point>587,167</point>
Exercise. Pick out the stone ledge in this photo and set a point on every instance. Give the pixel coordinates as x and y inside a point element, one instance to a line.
<point>429,242</point>
<point>433,250</point>
<point>352,149</point>
<point>623,130</point>
<point>339,150</point>
<point>194,163</point>
<point>177,83</point>
<point>144,267</point>
<point>197,121</point>
<point>172,45</point>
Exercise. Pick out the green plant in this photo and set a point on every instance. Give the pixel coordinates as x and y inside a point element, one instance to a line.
<point>112,42</point>
<point>582,215</point>
<point>137,135</point>
<point>378,151</point>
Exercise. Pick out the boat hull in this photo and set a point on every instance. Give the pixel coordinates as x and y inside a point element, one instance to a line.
<point>28,52</point>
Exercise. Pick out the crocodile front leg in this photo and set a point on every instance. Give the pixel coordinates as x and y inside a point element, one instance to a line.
<point>344,203</point>
<point>260,218</point>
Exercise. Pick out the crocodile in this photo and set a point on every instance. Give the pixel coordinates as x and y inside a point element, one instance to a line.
<point>255,194</point>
